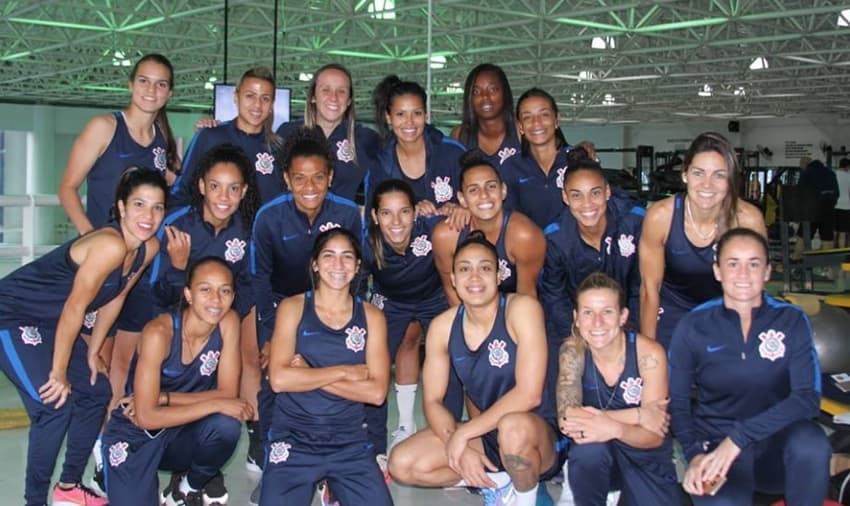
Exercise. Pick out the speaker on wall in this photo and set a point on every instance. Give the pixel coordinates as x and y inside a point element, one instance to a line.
<point>734,126</point>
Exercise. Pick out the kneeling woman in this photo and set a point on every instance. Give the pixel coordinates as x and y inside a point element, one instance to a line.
<point>181,413</point>
<point>624,391</point>
<point>328,360</point>
<point>496,343</point>
<point>753,361</point>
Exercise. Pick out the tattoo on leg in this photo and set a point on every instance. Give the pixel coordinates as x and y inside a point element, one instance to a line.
<point>517,463</point>
<point>519,469</point>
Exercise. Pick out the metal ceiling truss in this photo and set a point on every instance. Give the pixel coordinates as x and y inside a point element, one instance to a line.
<point>655,57</point>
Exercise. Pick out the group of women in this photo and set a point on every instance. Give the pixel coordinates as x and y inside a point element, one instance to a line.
<point>527,271</point>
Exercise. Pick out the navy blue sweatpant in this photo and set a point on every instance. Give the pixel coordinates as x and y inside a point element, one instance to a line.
<point>26,358</point>
<point>132,456</point>
<point>296,462</point>
<point>794,462</point>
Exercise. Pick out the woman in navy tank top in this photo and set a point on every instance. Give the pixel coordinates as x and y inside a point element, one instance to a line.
<point>497,345</point>
<point>612,402</point>
<point>519,242</point>
<point>488,121</point>
<point>180,412</point>
<point>328,361</point>
<point>43,307</point>
<point>677,243</point>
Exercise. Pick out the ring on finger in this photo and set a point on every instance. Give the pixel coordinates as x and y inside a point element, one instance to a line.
<point>581,434</point>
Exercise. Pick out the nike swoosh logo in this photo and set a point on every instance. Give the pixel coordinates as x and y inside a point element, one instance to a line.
<point>459,359</point>
<point>524,180</point>
<point>712,349</point>
<point>590,387</point>
<point>307,333</point>
<point>289,237</point>
<point>679,252</point>
<point>125,155</point>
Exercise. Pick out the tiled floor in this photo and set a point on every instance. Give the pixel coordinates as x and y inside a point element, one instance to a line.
<point>239,481</point>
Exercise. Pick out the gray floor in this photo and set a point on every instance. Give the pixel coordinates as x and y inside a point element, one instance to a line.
<point>239,481</point>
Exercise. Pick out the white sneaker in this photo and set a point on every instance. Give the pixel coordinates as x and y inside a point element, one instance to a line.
<point>383,465</point>
<point>401,433</point>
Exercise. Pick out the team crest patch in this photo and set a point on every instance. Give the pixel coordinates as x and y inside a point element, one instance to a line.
<point>264,163</point>
<point>421,246</point>
<point>772,347</point>
<point>329,225</point>
<point>343,151</point>
<point>356,339</point>
<point>378,300</point>
<point>559,181</point>
<point>506,153</point>
<point>235,250</point>
<point>30,335</point>
<point>118,453</point>
<point>279,452</point>
<point>160,161</point>
<point>89,319</point>
<point>504,270</point>
<point>498,356</point>
<point>209,362</point>
<point>608,242</point>
<point>442,189</point>
<point>626,243</point>
<point>632,390</point>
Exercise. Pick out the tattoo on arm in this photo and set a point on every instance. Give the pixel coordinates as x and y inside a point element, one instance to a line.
<point>570,370</point>
<point>647,363</point>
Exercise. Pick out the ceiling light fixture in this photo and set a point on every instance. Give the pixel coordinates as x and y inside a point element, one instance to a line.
<point>382,9</point>
<point>843,18</point>
<point>305,76</point>
<point>705,91</point>
<point>759,63</point>
<point>606,42</point>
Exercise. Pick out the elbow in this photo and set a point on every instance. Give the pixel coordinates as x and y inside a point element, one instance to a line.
<point>532,401</point>
<point>147,419</point>
<point>277,381</point>
<point>378,397</point>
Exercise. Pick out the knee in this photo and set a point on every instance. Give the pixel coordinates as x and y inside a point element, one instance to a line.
<point>808,444</point>
<point>223,428</point>
<point>516,431</point>
<point>590,457</point>
<point>402,464</point>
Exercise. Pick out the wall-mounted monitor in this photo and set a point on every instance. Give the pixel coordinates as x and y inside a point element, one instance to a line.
<point>224,108</point>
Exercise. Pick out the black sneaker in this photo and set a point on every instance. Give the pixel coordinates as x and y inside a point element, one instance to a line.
<point>215,493</point>
<point>96,483</point>
<point>254,460</point>
<point>172,496</point>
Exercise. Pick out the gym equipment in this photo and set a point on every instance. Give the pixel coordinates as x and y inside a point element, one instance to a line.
<point>829,326</point>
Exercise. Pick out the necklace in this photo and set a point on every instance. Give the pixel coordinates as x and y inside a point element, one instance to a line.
<point>690,215</point>
<point>596,381</point>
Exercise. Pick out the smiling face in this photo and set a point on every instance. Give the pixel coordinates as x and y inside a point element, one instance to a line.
<point>538,120</point>
<point>586,193</point>
<point>482,192</point>
<point>742,270</point>
<point>707,180</point>
<point>210,293</point>
<point>407,118</point>
<point>142,212</point>
<point>336,264</point>
<point>254,101</point>
<point>309,178</point>
<point>332,96</point>
<point>223,189</point>
<point>395,216</point>
<point>487,96</point>
<point>598,317</point>
<point>475,275</point>
<point>150,89</point>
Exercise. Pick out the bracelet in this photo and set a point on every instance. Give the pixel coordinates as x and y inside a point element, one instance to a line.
<point>638,410</point>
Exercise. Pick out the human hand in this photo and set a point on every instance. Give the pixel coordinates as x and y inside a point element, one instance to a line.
<point>458,218</point>
<point>597,428</point>
<point>56,389</point>
<point>96,365</point>
<point>236,408</point>
<point>654,417</point>
<point>205,123</point>
<point>179,247</point>
<point>425,208</point>
<point>264,355</point>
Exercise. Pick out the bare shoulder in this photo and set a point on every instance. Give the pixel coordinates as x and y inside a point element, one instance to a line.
<point>750,216</point>
<point>230,324</point>
<point>373,313</point>
<point>106,245</point>
<point>443,320</point>
<point>518,305</point>
<point>455,134</point>
<point>157,334</point>
<point>290,304</point>
<point>444,234</point>
<point>522,228</point>
<point>658,217</point>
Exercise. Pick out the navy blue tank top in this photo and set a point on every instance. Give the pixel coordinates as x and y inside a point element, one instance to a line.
<point>318,411</point>
<point>688,274</point>
<point>37,291</point>
<point>507,269</point>
<point>489,372</point>
<point>199,375</point>
<point>509,148</point>
<point>122,152</point>
<point>625,393</point>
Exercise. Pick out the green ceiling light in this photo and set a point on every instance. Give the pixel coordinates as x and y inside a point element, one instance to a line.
<point>15,56</point>
<point>358,54</point>
<point>141,24</point>
<point>590,24</point>
<point>436,57</point>
<point>681,25</point>
<point>98,87</point>
<point>59,24</point>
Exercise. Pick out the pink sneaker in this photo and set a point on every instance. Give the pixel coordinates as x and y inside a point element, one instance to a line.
<point>80,495</point>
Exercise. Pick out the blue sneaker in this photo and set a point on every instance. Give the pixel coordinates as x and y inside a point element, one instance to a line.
<point>503,496</point>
